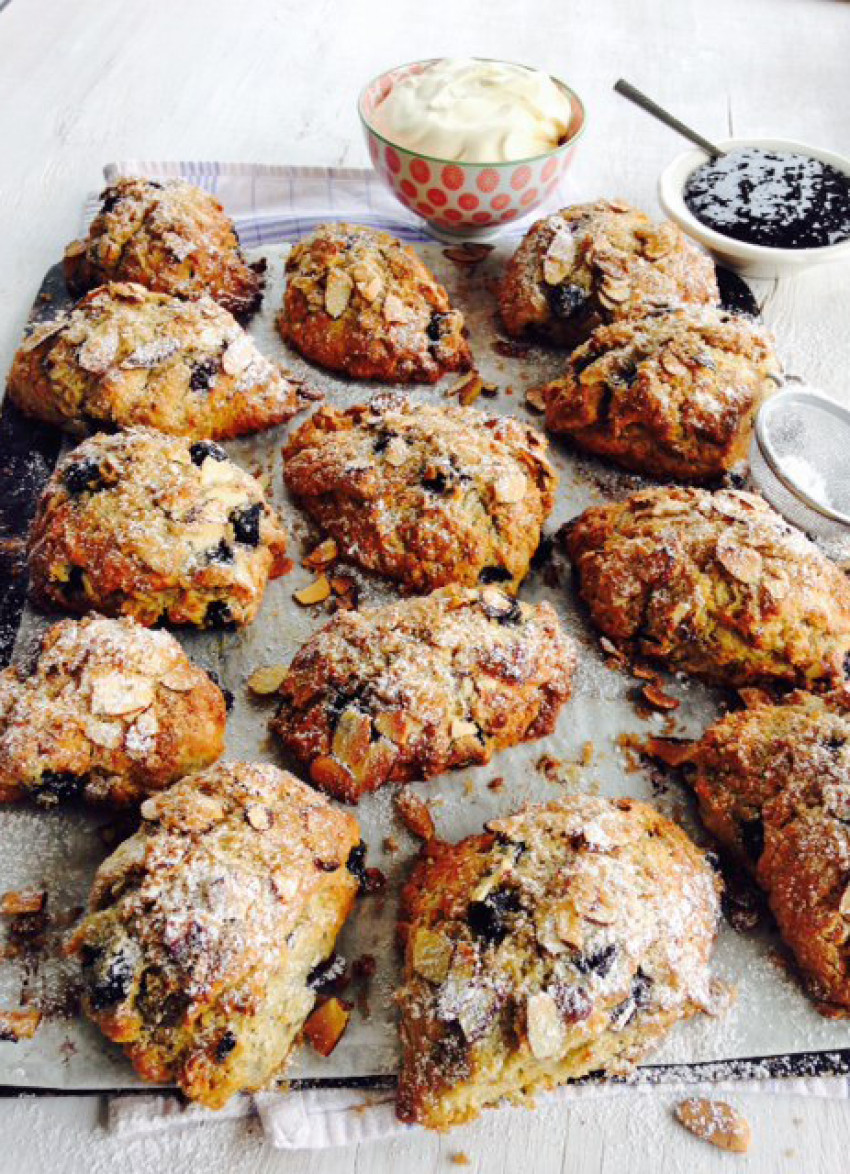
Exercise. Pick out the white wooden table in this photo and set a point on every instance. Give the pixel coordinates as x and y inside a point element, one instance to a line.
<point>83,82</point>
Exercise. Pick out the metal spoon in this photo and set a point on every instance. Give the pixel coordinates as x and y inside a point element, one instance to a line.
<point>628,91</point>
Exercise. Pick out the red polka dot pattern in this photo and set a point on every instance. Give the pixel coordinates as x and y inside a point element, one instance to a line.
<point>520,177</point>
<point>488,180</point>
<point>468,202</point>
<point>420,171</point>
<point>453,177</point>
<point>437,197</point>
<point>393,161</point>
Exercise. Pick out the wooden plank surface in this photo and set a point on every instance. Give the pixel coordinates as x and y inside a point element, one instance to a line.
<point>274,81</point>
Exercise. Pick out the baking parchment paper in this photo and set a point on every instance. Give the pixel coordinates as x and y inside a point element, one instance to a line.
<point>60,850</point>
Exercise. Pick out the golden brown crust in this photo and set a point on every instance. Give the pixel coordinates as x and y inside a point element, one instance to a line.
<point>413,689</point>
<point>567,939</point>
<point>109,712</point>
<point>716,584</point>
<point>151,526</point>
<point>169,236</point>
<point>424,494</point>
<point>672,395</point>
<point>205,925</point>
<point>360,302</point>
<point>125,355</point>
<point>773,785</point>
<point>595,263</point>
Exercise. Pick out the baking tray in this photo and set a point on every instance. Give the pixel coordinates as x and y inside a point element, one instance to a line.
<point>772,1029</point>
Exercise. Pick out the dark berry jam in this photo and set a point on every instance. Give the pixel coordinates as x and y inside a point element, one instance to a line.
<point>778,199</point>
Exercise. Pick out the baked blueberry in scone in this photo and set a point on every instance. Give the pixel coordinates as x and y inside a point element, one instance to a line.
<point>204,928</point>
<point>422,493</point>
<point>565,939</point>
<point>109,712</point>
<point>716,584</point>
<point>169,236</point>
<point>773,784</point>
<point>155,527</point>
<point>672,395</point>
<point>429,684</point>
<point>125,355</point>
<point>360,302</point>
<point>590,264</point>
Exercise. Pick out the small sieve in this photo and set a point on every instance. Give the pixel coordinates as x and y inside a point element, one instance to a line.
<point>800,460</point>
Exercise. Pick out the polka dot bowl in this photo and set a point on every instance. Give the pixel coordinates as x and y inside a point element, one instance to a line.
<point>464,200</point>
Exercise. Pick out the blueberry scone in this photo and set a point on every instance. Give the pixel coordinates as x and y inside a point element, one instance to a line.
<point>151,526</point>
<point>125,355</point>
<point>360,302</point>
<point>566,939</point>
<point>418,687</point>
<point>169,236</point>
<point>672,395</point>
<point>773,784</point>
<point>109,712</point>
<point>595,263</point>
<point>204,927</point>
<point>716,584</point>
<point>424,494</point>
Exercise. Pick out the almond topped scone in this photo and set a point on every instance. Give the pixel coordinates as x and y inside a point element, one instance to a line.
<point>169,236</point>
<point>418,687</point>
<point>566,939</point>
<point>109,712</point>
<point>671,395</point>
<point>125,355</point>
<point>359,301</point>
<point>595,263</point>
<point>716,584</point>
<point>425,494</point>
<point>204,927</point>
<point>151,526</point>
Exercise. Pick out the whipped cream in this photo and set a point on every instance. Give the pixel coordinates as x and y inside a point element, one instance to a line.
<point>475,111</point>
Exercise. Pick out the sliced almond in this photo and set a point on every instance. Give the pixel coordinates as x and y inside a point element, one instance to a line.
<point>658,699</point>
<point>715,1122</point>
<point>753,697</point>
<point>18,1025</point>
<point>180,678</point>
<point>671,751</point>
<point>239,356</point>
<point>322,555</point>
<point>535,397</point>
<point>99,351</point>
<point>352,738</point>
<point>117,693</point>
<point>497,603</point>
<point>742,562</point>
<point>547,1033</point>
<point>511,487</point>
<point>14,903</point>
<point>42,334</point>
<point>149,809</point>
<point>338,290</point>
<point>461,729</point>
<point>398,726</point>
<point>569,926</point>
<point>109,735</point>
<point>259,816</point>
<point>394,309</point>
<point>330,773</point>
<point>325,1027</point>
<point>560,257</point>
<point>844,903</point>
<point>616,292</point>
<point>431,954</point>
<point>469,390</point>
<point>415,814</point>
<point>673,365</point>
<point>316,592</point>
<point>267,680</point>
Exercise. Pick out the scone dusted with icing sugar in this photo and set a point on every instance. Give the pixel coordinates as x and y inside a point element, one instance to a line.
<point>125,355</point>
<point>204,927</point>
<point>590,264</point>
<point>360,302</point>
<point>674,394</point>
<point>170,237</point>
<point>418,687</point>
<point>716,584</point>
<point>773,784</point>
<point>425,494</point>
<point>154,527</point>
<point>109,712</point>
<point>566,939</point>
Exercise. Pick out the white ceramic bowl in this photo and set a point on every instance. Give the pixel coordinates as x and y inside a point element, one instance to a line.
<point>746,259</point>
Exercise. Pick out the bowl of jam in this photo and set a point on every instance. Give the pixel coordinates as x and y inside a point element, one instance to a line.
<point>765,208</point>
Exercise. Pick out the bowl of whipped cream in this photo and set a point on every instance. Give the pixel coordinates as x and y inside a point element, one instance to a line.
<point>470,144</point>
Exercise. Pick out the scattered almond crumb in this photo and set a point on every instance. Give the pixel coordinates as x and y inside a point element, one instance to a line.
<point>390,845</point>
<point>14,903</point>
<point>469,786</point>
<point>497,783</point>
<point>671,751</point>
<point>414,814</point>
<point>715,1122</point>
<point>264,681</point>
<point>316,592</point>
<point>587,751</point>
<point>321,556</point>
<point>658,699</point>
<point>535,399</point>
<point>460,1159</point>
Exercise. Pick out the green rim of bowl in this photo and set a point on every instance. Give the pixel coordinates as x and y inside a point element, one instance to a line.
<point>575,101</point>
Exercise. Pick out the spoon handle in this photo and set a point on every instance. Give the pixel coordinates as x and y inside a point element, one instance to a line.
<point>628,91</point>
